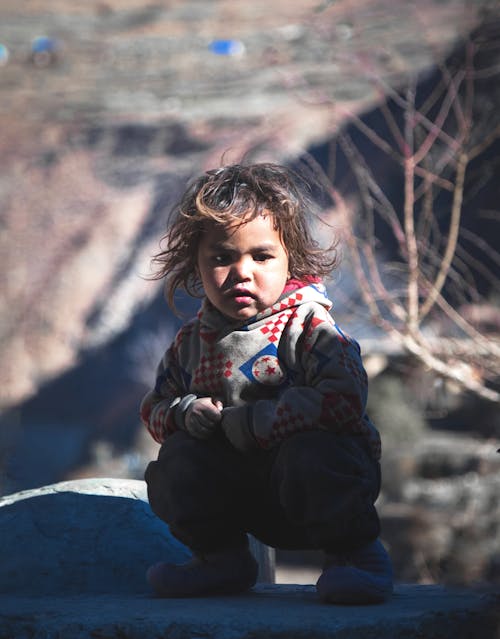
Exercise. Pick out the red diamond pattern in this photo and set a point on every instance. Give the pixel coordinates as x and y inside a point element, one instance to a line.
<point>339,410</point>
<point>288,421</point>
<point>274,327</point>
<point>292,300</point>
<point>209,374</point>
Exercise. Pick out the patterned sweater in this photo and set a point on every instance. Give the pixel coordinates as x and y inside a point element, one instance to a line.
<point>288,369</point>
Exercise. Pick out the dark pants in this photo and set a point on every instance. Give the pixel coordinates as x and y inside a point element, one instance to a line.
<point>316,490</point>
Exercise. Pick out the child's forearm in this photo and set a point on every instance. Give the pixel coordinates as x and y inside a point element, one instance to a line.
<point>162,416</point>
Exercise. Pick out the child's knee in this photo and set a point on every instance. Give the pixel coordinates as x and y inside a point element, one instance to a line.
<point>301,447</point>
<point>309,451</point>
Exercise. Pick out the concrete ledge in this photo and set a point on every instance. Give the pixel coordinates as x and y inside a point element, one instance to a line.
<point>268,612</point>
<point>72,562</point>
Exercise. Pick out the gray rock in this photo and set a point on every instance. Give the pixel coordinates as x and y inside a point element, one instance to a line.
<point>83,536</point>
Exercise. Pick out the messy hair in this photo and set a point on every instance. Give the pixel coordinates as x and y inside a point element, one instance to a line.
<point>236,194</point>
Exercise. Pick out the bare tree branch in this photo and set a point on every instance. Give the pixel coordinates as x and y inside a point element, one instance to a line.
<point>432,150</point>
<point>456,209</point>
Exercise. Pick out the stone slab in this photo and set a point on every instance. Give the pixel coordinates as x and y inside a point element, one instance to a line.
<point>72,562</point>
<point>268,612</point>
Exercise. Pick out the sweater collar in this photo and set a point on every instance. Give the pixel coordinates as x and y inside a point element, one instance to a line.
<point>295,293</point>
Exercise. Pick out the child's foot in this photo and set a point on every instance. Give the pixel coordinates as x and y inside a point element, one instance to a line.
<point>225,572</point>
<point>363,576</point>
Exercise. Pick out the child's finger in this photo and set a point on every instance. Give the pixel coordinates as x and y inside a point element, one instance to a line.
<point>213,414</point>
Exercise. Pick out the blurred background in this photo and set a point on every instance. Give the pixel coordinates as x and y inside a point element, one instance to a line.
<point>108,107</point>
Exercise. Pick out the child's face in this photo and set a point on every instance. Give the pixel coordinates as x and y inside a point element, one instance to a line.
<point>243,268</point>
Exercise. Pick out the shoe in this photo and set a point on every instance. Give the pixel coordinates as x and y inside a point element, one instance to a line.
<point>219,573</point>
<point>363,576</point>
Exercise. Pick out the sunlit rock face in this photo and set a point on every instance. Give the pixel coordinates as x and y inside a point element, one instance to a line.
<point>107,108</point>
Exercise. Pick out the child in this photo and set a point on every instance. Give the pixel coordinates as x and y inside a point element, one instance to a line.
<point>259,403</point>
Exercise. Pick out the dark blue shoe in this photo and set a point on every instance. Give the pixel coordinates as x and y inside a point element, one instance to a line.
<point>363,576</point>
<point>220,573</point>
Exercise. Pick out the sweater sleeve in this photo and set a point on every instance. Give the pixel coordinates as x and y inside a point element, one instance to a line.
<point>331,396</point>
<point>163,409</point>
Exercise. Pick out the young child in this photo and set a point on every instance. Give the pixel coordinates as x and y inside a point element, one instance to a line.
<point>259,403</point>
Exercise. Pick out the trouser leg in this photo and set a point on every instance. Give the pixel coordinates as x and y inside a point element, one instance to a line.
<point>316,490</point>
<point>322,489</point>
<point>197,488</point>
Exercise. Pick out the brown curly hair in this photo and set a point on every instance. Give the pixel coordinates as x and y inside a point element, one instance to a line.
<point>235,194</point>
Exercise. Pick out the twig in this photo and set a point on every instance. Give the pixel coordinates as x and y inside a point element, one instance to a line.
<point>456,210</point>
<point>409,221</point>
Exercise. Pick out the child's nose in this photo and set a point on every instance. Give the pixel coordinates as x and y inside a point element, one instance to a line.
<point>242,269</point>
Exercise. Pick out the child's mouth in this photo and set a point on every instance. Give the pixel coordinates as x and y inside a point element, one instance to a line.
<point>243,299</point>
<point>242,296</point>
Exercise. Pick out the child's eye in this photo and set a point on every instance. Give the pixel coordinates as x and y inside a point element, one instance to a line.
<point>222,259</point>
<point>262,257</point>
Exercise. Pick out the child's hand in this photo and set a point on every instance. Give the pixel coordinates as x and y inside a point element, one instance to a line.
<point>237,427</point>
<point>203,417</point>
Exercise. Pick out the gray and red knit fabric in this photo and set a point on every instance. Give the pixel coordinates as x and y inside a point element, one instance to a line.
<point>288,369</point>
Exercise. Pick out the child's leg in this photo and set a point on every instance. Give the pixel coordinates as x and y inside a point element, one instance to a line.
<point>197,487</point>
<point>326,486</point>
